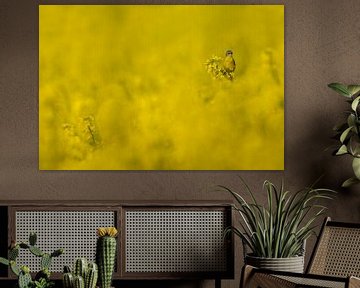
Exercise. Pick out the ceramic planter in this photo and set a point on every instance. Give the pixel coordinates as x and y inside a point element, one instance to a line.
<point>291,264</point>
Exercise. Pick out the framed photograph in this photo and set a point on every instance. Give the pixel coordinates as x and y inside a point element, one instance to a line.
<point>161,87</point>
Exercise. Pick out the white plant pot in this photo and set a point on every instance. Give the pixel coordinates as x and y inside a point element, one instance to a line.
<point>291,264</point>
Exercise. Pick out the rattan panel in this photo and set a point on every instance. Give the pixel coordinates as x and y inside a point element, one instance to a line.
<point>338,253</point>
<point>75,231</point>
<point>175,241</point>
<point>312,282</point>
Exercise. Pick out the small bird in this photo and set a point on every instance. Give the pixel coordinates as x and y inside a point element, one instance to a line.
<point>220,67</point>
<point>229,62</point>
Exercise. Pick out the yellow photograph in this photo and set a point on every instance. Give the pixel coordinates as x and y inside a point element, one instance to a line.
<point>161,87</point>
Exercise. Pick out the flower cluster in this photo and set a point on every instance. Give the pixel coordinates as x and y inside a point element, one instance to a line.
<point>214,66</point>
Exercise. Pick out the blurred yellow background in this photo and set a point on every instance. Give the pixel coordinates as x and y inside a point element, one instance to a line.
<point>125,87</point>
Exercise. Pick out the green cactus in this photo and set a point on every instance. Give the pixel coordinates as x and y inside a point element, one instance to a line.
<point>68,280</point>
<point>24,280</point>
<point>25,269</point>
<point>14,268</point>
<point>80,268</point>
<point>91,276</point>
<point>36,251</point>
<point>57,252</point>
<point>24,245</point>
<point>105,258</point>
<point>67,269</point>
<point>43,274</point>
<point>13,253</point>
<point>79,282</point>
<point>32,238</point>
<point>42,278</point>
<point>45,261</point>
<point>87,272</point>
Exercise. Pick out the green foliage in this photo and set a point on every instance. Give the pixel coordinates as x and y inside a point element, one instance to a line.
<point>42,283</point>
<point>348,132</point>
<point>42,278</point>
<point>279,229</point>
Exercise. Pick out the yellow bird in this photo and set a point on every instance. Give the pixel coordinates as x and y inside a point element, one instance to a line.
<point>229,62</point>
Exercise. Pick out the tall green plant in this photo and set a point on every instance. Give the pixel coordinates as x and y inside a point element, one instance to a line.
<point>106,254</point>
<point>348,132</point>
<point>279,229</point>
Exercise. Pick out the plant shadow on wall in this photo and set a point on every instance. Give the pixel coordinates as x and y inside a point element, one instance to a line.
<point>144,100</point>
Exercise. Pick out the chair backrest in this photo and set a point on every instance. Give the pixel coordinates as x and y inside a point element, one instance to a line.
<point>337,251</point>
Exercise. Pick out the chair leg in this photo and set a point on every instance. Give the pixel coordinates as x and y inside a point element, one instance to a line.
<point>246,274</point>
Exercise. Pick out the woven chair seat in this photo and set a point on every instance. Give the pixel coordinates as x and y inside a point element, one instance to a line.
<point>313,282</point>
<point>335,262</point>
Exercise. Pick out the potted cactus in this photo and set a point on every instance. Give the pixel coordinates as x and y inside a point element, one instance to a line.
<point>106,254</point>
<point>85,275</point>
<point>42,278</point>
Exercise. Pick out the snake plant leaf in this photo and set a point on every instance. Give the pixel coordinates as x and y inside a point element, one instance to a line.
<point>345,134</point>
<point>342,150</point>
<point>349,182</point>
<point>355,103</point>
<point>279,228</point>
<point>341,89</point>
<point>353,89</point>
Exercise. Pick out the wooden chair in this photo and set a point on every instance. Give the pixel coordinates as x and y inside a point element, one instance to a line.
<point>335,262</point>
